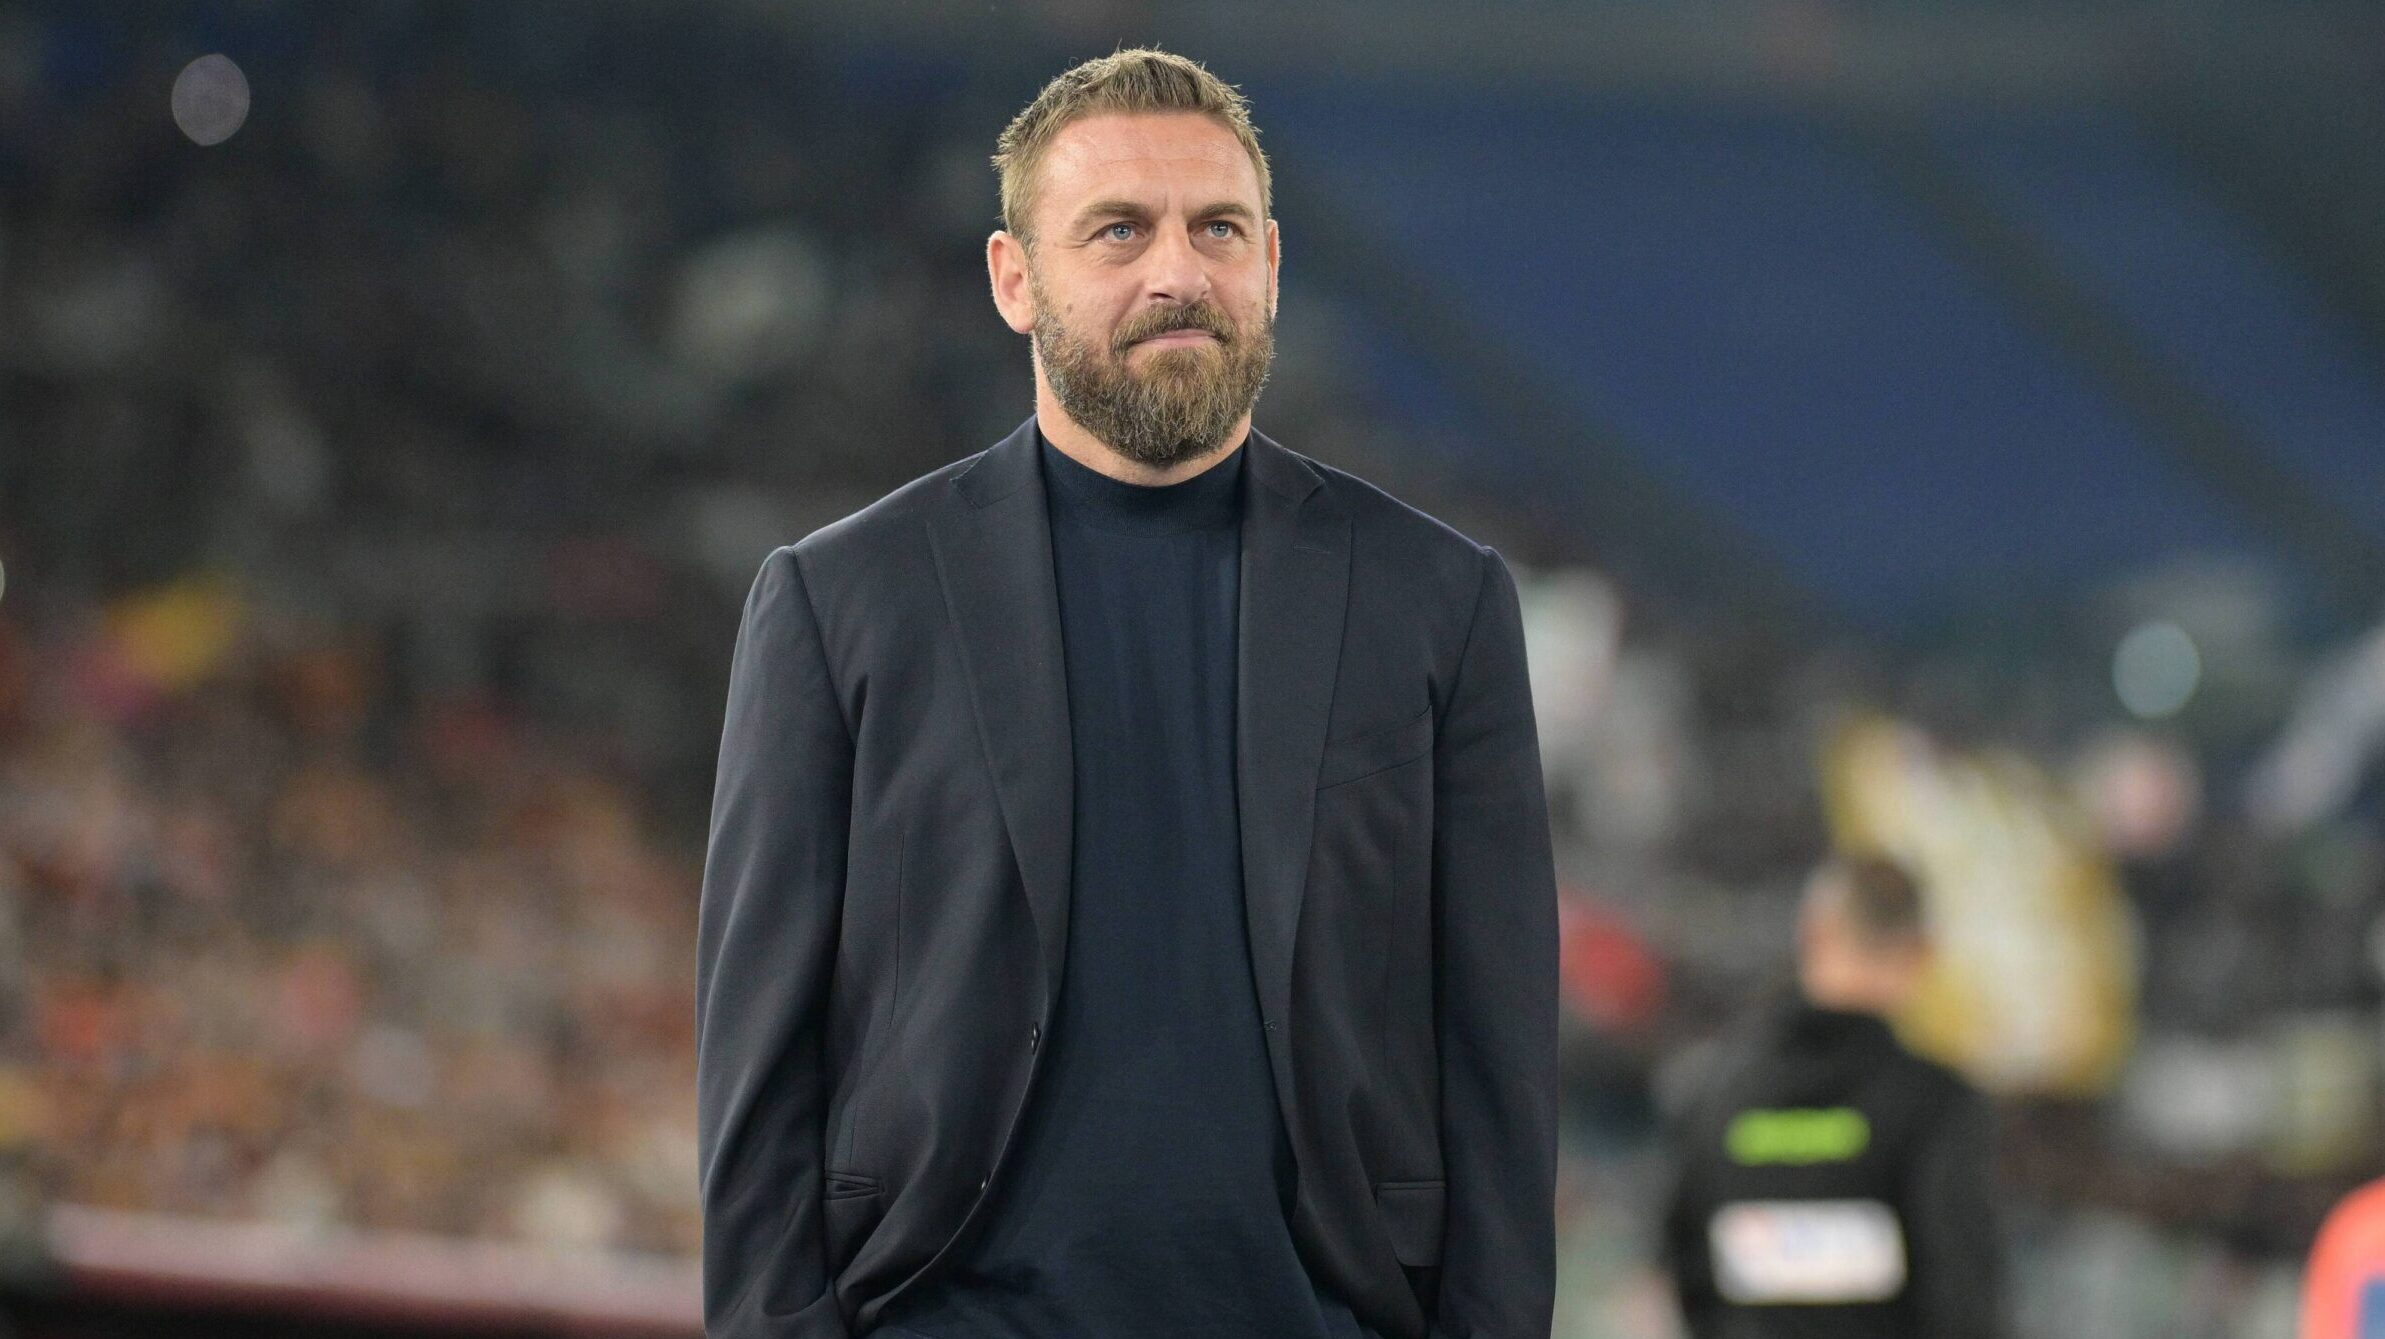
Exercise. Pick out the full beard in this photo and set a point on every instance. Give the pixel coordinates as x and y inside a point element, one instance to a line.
<point>1182,402</point>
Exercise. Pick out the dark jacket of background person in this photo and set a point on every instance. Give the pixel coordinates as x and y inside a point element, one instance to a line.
<point>886,899</point>
<point>1773,1119</point>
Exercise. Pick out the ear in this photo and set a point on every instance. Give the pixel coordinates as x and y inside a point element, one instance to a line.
<point>1820,927</point>
<point>1006,267</point>
<point>1275,265</point>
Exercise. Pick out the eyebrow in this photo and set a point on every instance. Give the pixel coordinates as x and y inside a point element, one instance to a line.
<point>1128,209</point>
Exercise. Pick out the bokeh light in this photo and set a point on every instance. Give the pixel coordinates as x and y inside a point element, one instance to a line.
<point>2156,670</point>
<point>210,99</point>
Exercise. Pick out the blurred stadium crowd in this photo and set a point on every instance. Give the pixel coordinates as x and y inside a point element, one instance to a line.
<point>265,964</point>
<point>377,492</point>
<point>377,509</point>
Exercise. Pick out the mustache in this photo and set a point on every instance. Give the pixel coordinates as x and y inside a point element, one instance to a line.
<point>1168,320</point>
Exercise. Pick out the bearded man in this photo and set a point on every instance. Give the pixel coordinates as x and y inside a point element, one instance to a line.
<point>1129,907</point>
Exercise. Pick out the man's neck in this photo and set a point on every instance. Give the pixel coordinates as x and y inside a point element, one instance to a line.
<point>1854,992</point>
<point>1072,440</point>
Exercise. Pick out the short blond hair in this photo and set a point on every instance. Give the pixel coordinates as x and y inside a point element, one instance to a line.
<point>1139,79</point>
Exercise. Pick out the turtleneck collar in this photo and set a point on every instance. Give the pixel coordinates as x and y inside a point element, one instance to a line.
<point>1209,500</point>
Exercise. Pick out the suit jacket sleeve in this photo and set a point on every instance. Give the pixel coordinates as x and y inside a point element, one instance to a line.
<point>1495,894</point>
<point>774,879</point>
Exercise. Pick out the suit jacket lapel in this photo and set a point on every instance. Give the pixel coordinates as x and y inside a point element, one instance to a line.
<point>994,555</point>
<point>1295,584</point>
<point>993,547</point>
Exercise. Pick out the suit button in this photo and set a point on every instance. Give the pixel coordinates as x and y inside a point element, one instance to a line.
<point>981,1187</point>
<point>1034,1037</point>
<point>1269,1025</point>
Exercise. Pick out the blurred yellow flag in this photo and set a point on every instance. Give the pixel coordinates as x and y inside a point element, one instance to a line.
<point>2034,987</point>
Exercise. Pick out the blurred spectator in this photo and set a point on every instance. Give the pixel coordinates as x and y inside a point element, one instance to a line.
<point>1830,1182</point>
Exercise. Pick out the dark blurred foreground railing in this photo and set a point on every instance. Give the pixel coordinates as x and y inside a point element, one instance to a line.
<point>109,1272</point>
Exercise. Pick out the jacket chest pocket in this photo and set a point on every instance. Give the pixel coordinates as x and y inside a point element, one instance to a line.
<point>1359,756</point>
<point>1412,1212</point>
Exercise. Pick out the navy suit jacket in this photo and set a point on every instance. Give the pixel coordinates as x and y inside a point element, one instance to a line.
<point>885,903</point>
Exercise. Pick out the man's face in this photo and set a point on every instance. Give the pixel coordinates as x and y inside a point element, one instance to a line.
<point>1150,286</point>
<point>1833,947</point>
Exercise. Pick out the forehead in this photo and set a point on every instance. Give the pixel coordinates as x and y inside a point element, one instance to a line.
<point>1149,157</point>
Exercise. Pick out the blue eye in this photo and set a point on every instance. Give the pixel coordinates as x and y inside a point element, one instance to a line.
<point>1120,232</point>
<point>1222,229</point>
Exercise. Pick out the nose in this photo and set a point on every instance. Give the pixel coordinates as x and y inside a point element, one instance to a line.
<point>1174,269</point>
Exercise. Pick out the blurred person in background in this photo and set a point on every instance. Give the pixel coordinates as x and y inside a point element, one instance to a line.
<point>2343,1290</point>
<point>1130,907</point>
<point>1828,1181</point>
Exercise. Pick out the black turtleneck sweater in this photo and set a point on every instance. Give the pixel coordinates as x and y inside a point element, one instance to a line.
<point>1146,1195</point>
